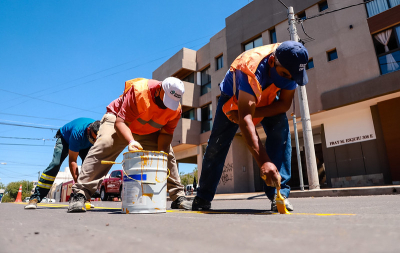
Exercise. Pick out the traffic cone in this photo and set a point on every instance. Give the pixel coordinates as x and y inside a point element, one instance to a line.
<point>18,199</point>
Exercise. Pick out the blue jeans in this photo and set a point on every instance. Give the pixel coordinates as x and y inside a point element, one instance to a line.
<point>278,147</point>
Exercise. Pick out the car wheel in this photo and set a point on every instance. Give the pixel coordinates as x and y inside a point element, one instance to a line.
<point>103,195</point>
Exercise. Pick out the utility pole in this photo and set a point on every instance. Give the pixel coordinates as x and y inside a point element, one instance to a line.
<point>38,176</point>
<point>312,171</point>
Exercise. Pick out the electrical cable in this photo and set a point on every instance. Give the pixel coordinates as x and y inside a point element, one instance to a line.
<point>27,116</point>
<point>43,100</point>
<point>283,4</point>
<point>106,70</point>
<point>21,144</point>
<point>316,16</point>
<point>22,138</point>
<point>11,124</point>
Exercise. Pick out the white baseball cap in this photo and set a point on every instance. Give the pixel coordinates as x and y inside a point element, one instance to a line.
<point>173,91</point>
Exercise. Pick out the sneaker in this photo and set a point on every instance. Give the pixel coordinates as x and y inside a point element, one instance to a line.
<point>199,203</point>
<point>288,205</point>
<point>181,203</point>
<point>77,203</point>
<point>32,204</point>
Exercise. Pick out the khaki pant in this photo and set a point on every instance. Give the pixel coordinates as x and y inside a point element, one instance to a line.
<point>107,147</point>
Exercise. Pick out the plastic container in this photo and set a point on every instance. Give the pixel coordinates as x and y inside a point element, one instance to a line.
<point>144,187</point>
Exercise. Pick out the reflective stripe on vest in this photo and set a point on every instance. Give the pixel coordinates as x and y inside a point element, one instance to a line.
<point>150,122</point>
<point>143,102</point>
<point>248,62</point>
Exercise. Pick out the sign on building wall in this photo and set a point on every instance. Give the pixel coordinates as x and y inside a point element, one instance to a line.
<point>351,127</point>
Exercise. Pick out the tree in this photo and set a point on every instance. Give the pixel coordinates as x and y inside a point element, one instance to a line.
<point>188,178</point>
<point>12,188</point>
<point>2,186</point>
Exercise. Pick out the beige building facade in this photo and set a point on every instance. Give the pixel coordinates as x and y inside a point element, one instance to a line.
<point>353,90</point>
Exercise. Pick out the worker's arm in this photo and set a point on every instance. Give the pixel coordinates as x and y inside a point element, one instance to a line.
<point>277,107</point>
<point>73,165</point>
<point>122,128</point>
<point>164,140</point>
<point>247,107</point>
<point>282,105</point>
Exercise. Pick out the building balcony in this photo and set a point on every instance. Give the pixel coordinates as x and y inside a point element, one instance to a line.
<point>186,135</point>
<point>179,65</point>
<point>191,96</point>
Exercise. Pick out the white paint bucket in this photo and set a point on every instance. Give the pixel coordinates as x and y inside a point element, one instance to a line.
<point>145,182</point>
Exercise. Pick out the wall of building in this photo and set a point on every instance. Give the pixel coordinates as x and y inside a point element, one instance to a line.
<point>390,120</point>
<point>351,82</point>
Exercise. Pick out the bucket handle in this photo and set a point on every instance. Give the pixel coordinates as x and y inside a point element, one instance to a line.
<point>143,182</point>
<point>109,162</point>
<point>169,173</point>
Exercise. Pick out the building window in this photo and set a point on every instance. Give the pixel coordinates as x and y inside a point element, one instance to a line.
<point>191,114</point>
<point>220,62</point>
<point>310,64</point>
<point>302,15</point>
<point>323,6</point>
<point>206,118</point>
<point>378,6</point>
<point>254,43</point>
<point>189,78</point>
<point>387,47</point>
<point>332,55</point>
<point>205,81</point>
<point>272,36</point>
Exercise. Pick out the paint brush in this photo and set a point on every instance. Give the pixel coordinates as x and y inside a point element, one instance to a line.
<point>280,202</point>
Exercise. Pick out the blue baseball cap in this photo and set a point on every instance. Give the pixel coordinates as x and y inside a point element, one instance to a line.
<point>294,57</point>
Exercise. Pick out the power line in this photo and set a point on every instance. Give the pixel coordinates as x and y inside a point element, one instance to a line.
<point>20,125</point>
<point>319,15</point>
<point>283,4</point>
<point>22,138</point>
<point>73,86</point>
<point>48,101</point>
<point>20,144</point>
<point>27,116</point>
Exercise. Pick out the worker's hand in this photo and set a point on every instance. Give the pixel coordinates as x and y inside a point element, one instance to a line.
<point>270,174</point>
<point>134,145</point>
<point>233,116</point>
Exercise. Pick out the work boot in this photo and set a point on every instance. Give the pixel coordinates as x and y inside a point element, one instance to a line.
<point>288,205</point>
<point>77,203</point>
<point>181,203</point>
<point>199,203</point>
<point>32,204</point>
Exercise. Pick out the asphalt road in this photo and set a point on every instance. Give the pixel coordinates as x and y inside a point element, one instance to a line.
<point>340,224</point>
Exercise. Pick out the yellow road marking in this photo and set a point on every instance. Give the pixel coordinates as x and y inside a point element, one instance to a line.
<point>201,212</point>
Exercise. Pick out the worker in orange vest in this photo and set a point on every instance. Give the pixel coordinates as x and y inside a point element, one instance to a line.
<point>258,88</point>
<point>144,117</point>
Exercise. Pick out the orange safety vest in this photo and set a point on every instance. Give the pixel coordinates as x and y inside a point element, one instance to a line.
<point>151,118</point>
<point>248,62</point>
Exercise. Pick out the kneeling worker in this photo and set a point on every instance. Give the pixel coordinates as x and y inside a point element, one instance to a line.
<point>73,139</point>
<point>144,117</point>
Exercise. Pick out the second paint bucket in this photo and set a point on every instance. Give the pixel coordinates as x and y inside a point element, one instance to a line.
<point>145,182</point>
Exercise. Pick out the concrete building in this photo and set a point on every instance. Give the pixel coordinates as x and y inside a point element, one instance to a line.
<point>353,90</point>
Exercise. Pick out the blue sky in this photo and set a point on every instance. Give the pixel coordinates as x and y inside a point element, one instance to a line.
<point>61,60</point>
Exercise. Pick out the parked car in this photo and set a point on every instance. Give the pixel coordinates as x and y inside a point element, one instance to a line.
<point>27,199</point>
<point>47,200</point>
<point>112,186</point>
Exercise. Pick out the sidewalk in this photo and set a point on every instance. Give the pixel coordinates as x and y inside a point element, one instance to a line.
<point>329,192</point>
